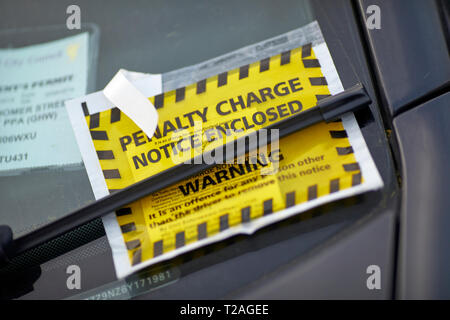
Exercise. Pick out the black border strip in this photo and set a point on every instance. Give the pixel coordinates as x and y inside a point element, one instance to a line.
<point>159,101</point>
<point>137,257</point>
<point>222,79</point>
<point>94,120</point>
<point>111,174</point>
<point>129,227</point>
<point>338,134</point>
<point>245,214</point>
<point>85,108</point>
<point>99,135</point>
<point>285,58</point>
<point>311,63</point>
<point>201,86</point>
<point>105,155</point>
<point>290,199</point>
<point>158,248</point>
<point>264,65</point>
<point>133,244</point>
<point>267,207</point>
<point>334,185</point>
<point>202,231</point>
<point>180,94</point>
<point>115,115</point>
<point>244,71</point>
<point>223,222</point>
<point>180,239</point>
<point>318,81</point>
<point>351,167</point>
<point>123,212</point>
<point>312,192</point>
<point>306,50</point>
<point>342,151</point>
<point>356,179</point>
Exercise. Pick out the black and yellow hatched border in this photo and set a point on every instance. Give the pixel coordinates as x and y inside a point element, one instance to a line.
<point>201,87</point>
<point>221,80</point>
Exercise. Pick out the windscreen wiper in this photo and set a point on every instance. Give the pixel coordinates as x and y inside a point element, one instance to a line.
<point>328,109</point>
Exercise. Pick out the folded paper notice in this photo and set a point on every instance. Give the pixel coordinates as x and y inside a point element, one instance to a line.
<point>322,163</point>
<point>123,94</point>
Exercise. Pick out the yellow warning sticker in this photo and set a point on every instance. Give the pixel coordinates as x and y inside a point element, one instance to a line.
<point>229,104</point>
<point>304,169</point>
<point>232,194</point>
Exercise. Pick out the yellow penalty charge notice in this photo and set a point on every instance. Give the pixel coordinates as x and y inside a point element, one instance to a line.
<point>319,164</point>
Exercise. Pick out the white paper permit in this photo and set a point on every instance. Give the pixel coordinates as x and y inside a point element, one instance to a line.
<point>34,83</point>
<point>97,101</point>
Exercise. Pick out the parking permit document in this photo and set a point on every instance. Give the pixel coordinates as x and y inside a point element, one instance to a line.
<point>34,83</point>
<point>243,91</point>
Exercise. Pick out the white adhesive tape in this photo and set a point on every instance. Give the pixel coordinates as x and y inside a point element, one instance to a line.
<point>124,95</point>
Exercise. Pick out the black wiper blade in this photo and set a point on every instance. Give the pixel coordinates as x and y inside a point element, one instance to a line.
<point>328,109</point>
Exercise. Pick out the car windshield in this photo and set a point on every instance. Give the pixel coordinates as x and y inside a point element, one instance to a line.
<point>47,58</point>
